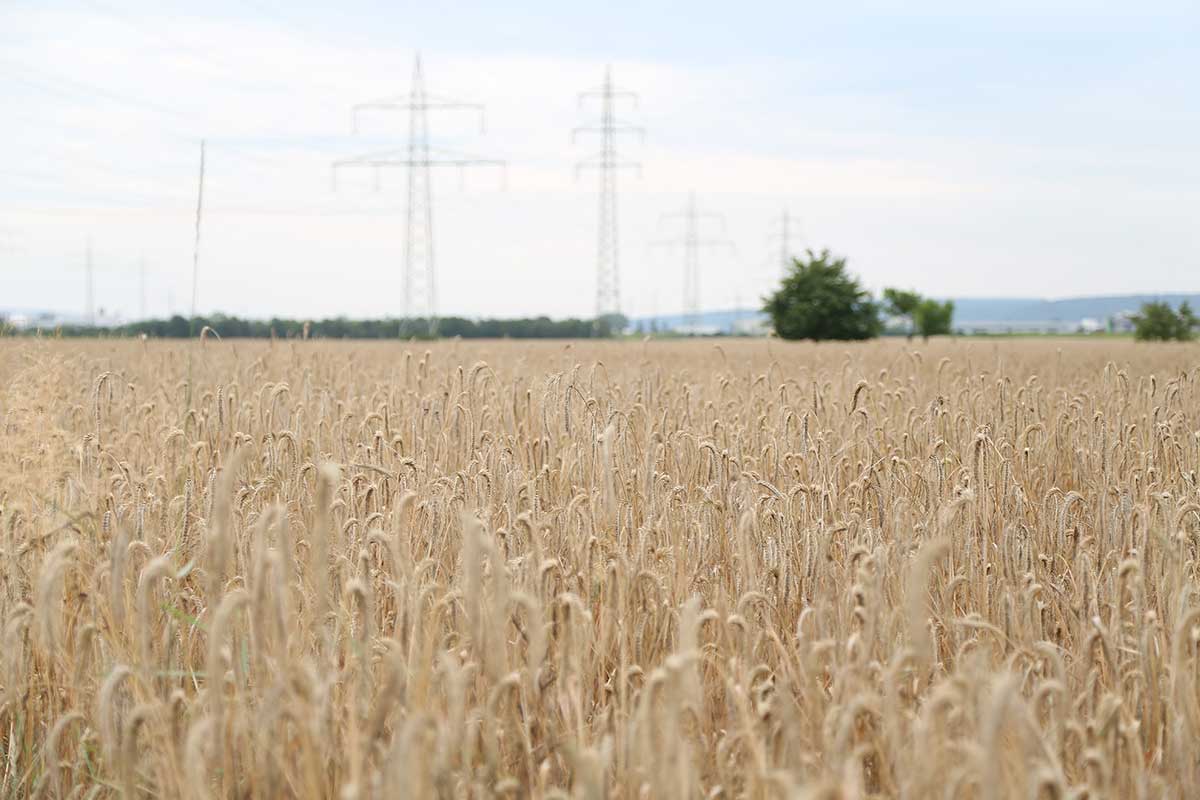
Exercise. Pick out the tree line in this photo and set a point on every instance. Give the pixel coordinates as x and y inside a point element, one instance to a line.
<point>178,327</point>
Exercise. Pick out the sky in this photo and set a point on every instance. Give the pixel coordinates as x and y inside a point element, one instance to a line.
<point>1043,149</point>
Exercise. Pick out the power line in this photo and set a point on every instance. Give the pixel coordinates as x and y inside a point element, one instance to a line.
<point>215,66</point>
<point>420,275</point>
<point>608,272</point>
<point>56,84</point>
<point>301,30</point>
<point>47,81</point>
<point>691,242</point>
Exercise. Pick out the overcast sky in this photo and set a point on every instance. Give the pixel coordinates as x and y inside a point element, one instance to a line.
<point>1035,148</point>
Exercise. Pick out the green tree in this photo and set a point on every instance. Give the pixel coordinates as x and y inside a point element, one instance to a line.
<point>1189,320</point>
<point>902,304</point>
<point>611,324</point>
<point>1159,322</point>
<point>933,318</point>
<point>819,300</point>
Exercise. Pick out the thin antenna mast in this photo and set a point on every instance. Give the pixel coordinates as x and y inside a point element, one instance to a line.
<point>608,268</point>
<point>420,275</point>
<point>196,243</point>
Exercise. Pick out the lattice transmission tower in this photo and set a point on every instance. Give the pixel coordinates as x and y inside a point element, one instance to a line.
<point>89,308</point>
<point>608,256</point>
<point>782,229</point>
<point>142,288</point>
<point>692,242</point>
<point>418,157</point>
<point>8,242</point>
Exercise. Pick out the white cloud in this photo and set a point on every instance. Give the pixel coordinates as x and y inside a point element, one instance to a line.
<point>110,108</point>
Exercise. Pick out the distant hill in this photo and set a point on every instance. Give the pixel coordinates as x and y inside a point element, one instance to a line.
<point>1073,309</point>
<point>707,321</point>
<point>969,313</point>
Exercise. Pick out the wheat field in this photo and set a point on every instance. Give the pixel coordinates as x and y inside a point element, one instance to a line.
<point>637,570</point>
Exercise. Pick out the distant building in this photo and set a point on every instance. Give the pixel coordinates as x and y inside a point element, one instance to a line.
<point>1121,322</point>
<point>1016,326</point>
<point>751,326</point>
<point>26,319</point>
<point>697,330</point>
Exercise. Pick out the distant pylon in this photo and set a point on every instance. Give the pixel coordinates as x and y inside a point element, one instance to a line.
<point>608,256</point>
<point>89,288</point>
<point>691,243</point>
<point>7,242</point>
<point>420,274</point>
<point>781,233</point>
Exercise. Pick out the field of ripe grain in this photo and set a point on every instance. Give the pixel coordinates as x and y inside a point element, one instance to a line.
<point>662,570</point>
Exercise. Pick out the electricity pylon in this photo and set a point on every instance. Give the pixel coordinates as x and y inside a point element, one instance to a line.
<point>780,234</point>
<point>8,241</point>
<point>420,274</point>
<point>89,291</point>
<point>608,266</point>
<point>691,242</point>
